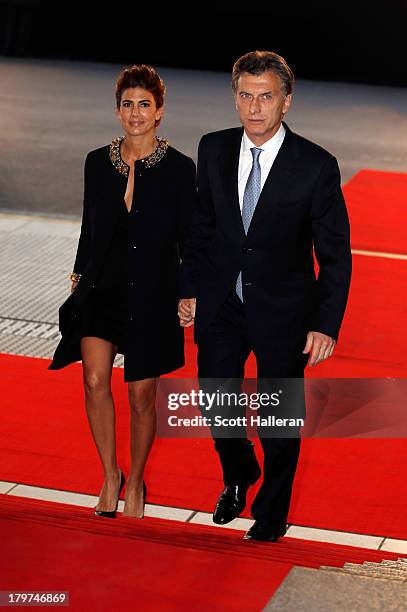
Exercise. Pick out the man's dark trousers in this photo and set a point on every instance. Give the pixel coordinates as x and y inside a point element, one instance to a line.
<point>222,353</point>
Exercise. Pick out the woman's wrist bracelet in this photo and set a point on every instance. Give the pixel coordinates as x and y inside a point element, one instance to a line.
<point>74,277</point>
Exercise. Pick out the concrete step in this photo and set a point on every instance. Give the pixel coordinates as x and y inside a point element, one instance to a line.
<point>333,590</point>
<point>387,569</point>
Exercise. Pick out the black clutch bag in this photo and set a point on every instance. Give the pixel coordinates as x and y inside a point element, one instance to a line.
<point>67,314</point>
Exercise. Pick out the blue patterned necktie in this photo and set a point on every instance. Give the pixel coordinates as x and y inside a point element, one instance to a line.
<point>250,198</point>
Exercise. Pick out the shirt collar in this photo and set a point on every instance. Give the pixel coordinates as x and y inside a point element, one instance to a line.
<point>271,144</point>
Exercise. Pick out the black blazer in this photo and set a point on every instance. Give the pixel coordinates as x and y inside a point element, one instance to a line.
<point>163,197</point>
<point>301,208</point>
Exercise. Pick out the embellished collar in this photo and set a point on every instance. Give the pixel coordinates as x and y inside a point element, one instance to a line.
<point>151,160</point>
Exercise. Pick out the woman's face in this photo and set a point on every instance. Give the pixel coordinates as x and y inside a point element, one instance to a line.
<point>138,112</point>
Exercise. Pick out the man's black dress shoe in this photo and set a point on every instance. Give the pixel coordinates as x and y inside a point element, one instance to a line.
<point>263,533</point>
<point>112,513</point>
<point>232,500</point>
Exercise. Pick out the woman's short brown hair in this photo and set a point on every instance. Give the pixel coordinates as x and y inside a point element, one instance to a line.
<point>140,75</point>
<point>257,62</point>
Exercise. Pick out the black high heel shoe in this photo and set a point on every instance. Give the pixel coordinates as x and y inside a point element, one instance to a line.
<point>144,496</point>
<point>144,501</point>
<point>112,513</point>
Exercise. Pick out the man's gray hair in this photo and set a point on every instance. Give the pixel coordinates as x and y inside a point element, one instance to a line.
<point>257,62</point>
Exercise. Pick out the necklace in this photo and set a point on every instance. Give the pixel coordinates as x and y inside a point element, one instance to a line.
<point>160,150</point>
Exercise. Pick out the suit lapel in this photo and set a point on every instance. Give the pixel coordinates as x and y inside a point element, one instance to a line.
<point>229,168</point>
<point>277,179</point>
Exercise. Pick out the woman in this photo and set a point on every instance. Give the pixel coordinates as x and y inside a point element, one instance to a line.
<point>138,194</point>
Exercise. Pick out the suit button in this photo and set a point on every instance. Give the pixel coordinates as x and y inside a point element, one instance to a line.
<point>131,284</point>
<point>247,284</point>
<point>247,250</point>
<point>134,246</point>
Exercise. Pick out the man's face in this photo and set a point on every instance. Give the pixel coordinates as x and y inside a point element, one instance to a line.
<point>261,104</point>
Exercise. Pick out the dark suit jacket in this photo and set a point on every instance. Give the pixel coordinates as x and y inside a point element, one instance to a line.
<point>164,195</point>
<point>301,208</point>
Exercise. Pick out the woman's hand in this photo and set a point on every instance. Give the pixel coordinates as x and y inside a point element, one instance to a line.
<point>74,285</point>
<point>186,311</point>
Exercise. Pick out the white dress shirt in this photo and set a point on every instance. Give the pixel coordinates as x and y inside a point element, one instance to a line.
<point>266,158</point>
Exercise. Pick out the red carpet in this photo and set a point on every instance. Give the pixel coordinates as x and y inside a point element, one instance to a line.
<point>352,485</point>
<point>127,566</point>
<point>377,205</point>
<point>150,564</point>
<point>373,337</point>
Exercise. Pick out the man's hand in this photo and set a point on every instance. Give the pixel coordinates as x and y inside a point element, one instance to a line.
<point>320,345</point>
<point>186,311</point>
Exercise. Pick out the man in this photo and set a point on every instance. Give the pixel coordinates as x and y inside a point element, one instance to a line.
<point>268,199</point>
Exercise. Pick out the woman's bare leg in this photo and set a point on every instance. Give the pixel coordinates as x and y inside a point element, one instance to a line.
<point>97,360</point>
<point>143,424</point>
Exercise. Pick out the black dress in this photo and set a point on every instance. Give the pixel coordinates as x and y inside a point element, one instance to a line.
<point>104,312</point>
<point>129,261</point>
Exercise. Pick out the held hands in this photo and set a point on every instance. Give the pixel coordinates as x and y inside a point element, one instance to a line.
<point>186,311</point>
<point>320,345</point>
